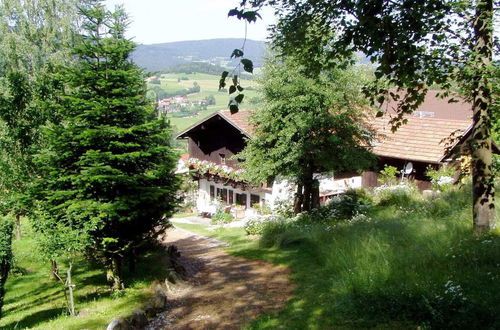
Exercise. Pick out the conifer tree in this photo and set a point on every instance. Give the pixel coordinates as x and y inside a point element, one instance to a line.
<point>108,167</point>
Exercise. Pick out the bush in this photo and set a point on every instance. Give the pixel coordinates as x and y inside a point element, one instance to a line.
<point>221,218</point>
<point>388,175</point>
<point>6,228</point>
<point>255,225</point>
<point>442,178</point>
<point>349,204</point>
<point>401,195</point>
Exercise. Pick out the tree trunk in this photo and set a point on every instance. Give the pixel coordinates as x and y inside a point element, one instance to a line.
<point>114,273</point>
<point>54,270</point>
<point>71,287</point>
<point>483,186</point>
<point>298,200</point>
<point>18,227</point>
<point>306,205</point>
<point>308,188</point>
<point>315,194</point>
<point>4,273</point>
<point>131,261</point>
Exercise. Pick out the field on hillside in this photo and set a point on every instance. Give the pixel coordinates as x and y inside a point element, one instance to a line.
<point>209,85</point>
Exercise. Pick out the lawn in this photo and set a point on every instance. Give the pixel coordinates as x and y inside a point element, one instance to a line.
<point>34,300</point>
<point>405,266</point>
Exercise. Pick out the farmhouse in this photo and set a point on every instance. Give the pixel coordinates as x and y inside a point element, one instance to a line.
<point>214,141</point>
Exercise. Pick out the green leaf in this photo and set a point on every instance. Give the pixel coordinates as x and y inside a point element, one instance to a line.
<point>222,83</point>
<point>247,65</point>
<point>235,80</point>
<point>237,53</point>
<point>224,74</point>
<point>240,89</point>
<point>232,89</point>
<point>239,98</point>
<point>234,108</point>
<point>250,16</point>
<point>234,12</point>
<point>380,113</point>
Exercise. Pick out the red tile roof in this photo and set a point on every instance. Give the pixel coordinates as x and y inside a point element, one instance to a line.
<point>421,139</point>
<point>239,119</point>
<point>436,107</point>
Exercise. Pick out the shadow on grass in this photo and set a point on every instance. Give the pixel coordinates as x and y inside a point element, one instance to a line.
<point>407,286</point>
<point>36,318</point>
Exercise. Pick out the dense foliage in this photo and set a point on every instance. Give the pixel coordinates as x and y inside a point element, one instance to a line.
<point>6,227</point>
<point>307,126</point>
<point>415,45</point>
<point>33,40</point>
<point>107,169</point>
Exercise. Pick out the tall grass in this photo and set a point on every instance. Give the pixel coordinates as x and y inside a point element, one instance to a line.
<point>416,264</point>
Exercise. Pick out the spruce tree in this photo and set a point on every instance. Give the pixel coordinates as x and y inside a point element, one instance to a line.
<point>108,167</point>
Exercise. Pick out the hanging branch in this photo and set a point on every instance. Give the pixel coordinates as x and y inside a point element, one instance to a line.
<point>235,90</point>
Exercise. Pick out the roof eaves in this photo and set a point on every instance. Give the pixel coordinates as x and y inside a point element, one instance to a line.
<point>462,138</point>
<point>234,124</point>
<point>180,135</point>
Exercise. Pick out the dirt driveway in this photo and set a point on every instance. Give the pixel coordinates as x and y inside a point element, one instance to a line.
<point>223,292</point>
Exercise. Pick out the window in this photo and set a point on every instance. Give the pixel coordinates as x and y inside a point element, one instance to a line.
<point>254,199</point>
<point>223,195</point>
<point>222,159</point>
<point>241,199</point>
<point>212,192</point>
<point>230,197</point>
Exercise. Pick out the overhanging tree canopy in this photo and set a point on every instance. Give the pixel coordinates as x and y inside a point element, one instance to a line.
<point>415,44</point>
<point>307,126</point>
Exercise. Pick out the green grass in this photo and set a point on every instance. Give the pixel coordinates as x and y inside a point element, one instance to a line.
<point>409,266</point>
<point>34,300</point>
<point>209,85</point>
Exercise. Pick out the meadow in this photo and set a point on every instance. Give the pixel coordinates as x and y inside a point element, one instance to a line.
<point>403,262</point>
<point>397,265</point>
<point>209,86</point>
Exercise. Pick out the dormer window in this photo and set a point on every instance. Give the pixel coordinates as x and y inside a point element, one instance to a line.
<point>222,159</point>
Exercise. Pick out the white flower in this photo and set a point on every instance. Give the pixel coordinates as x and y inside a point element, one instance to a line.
<point>444,181</point>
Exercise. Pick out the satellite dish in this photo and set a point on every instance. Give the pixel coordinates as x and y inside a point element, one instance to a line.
<point>408,168</point>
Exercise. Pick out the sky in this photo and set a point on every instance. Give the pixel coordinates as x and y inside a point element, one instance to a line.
<point>157,21</point>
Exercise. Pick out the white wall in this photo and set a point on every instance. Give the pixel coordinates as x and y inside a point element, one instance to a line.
<point>206,204</point>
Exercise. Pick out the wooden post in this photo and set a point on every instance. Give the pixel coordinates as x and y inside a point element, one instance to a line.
<point>70,288</point>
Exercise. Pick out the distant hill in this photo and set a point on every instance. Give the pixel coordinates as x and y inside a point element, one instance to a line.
<point>201,67</point>
<point>157,57</point>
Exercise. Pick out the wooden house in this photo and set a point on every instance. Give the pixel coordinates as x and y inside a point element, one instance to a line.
<point>423,141</point>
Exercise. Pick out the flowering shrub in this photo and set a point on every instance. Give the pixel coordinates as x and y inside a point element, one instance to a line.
<point>400,194</point>
<point>442,178</point>
<point>352,202</point>
<point>224,171</point>
<point>256,224</point>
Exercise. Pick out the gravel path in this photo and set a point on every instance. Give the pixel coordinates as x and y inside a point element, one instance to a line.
<point>223,291</point>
